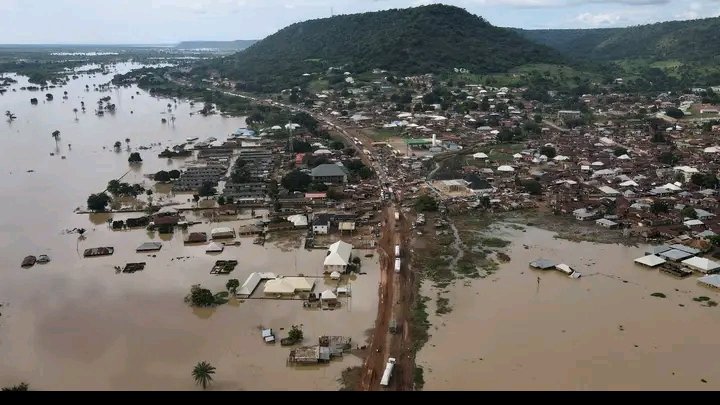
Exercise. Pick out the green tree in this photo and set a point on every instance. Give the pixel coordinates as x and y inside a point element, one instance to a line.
<point>659,207</point>
<point>337,145</point>
<point>232,285</point>
<point>505,136</point>
<point>200,297</point>
<point>301,146</point>
<point>196,198</point>
<point>174,174</point>
<point>619,151</point>
<point>532,186</point>
<point>668,158</point>
<point>295,334</point>
<point>135,157</point>
<point>674,112</point>
<point>98,202</point>
<point>537,118</point>
<point>221,200</point>
<point>426,203</point>
<point>317,187</point>
<point>273,188</point>
<point>20,387</point>
<point>207,190</point>
<point>708,180</point>
<point>548,151</point>
<point>689,212</point>
<point>162,175</point>
<point>365,172</point>
<point>203,374</point>
<point>296,181</point>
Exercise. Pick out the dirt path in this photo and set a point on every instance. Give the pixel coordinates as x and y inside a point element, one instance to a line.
<point>377,357</point>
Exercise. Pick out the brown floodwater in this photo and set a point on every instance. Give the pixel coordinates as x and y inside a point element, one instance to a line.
<point>75,324</point>
<point>603,331</point>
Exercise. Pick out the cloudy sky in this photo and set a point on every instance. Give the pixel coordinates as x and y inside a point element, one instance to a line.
<point>169,21</point>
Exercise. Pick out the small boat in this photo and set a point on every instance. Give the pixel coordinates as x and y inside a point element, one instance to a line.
<point>192,139</point>
<point>28,261</point>
<point>42,259</point>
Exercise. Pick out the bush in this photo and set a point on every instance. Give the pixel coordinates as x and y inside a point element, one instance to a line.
<point>200,297</point>
<point>295,334</point>
<point>98,202</point>
<point>135,157</point>
<point>548,151</point>
<point>532,186</point>
<point>674,113</point>
<point>668,158</point>
<point>162,175</point>
<point>296,181</point>
<point>426,203</point>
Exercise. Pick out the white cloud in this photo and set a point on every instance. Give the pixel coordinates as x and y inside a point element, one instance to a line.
<point>599,19</point>
<point>696,10</point>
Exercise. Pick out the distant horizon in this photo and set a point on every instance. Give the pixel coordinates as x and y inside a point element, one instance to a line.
<point>142,22</point>
<point>120,43</point>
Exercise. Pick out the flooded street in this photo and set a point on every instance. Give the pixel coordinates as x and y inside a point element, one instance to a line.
<point>75,324</point>
<point>602,331</point>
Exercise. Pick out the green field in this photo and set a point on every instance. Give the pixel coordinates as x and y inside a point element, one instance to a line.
<point>561,75</point>
<point>317,86</point>
<point>382,134</point>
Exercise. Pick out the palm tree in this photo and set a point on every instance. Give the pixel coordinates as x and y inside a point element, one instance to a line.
<point>75,110</point>
<point>202,373</point>
<point>56,135</point>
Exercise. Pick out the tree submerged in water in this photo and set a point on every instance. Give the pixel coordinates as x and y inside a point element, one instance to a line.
<point>204,298</point>
<point>20,387</point>
<point>202,374</point>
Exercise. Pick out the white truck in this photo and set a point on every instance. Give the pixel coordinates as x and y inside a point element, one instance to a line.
<point>397,265</point>
<point>397,215</point>
<point>397,250</point>
<point>388,372</point>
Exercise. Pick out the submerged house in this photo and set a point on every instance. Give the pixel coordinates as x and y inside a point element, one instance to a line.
<point>338,257</point>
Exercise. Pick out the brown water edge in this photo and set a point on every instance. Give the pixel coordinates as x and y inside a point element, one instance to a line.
<point>602,331</point>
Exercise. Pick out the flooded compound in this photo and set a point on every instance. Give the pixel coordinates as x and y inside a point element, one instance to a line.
<point>81,322</point>
<point>528,329</point>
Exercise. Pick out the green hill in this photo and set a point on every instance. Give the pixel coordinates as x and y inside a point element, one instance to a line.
<point>237,45</point>
<point>693,40</point>
<point>428,39</point>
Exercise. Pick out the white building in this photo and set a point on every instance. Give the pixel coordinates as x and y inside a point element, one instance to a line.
<point>338,257</point>
<point>288,285</point>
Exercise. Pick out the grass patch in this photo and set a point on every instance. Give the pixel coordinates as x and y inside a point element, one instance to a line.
<point>382,134</point>
<point>711,303</point>
<point>350,379</point>
<point>495,242</point>
<point>317,86</point>
<point>658,295</point>
<point>443,306</point>
<point>419,324</point>
<point>467,268</point>
<point>419,377</point>
<point>701,299</point>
